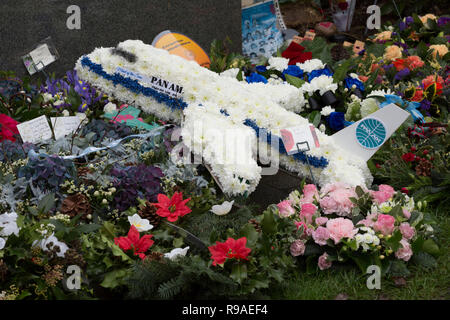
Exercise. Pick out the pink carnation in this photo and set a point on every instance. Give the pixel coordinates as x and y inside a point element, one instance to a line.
<point>285,208</point>
<point>384,224</point>
<point>307,211</point>
<point>321,235</point>
<point>297,248</point>
<point>310,193</point>
<point>406,213</point>
<point>323,262</point>
<point>306,231</point>
<point>405,253</point>
<point>370,220</point>
<point>337,199</point>
<point>341,228</point>
<point>407,231</point>
<point>383,194</point>
<point>321,221</point>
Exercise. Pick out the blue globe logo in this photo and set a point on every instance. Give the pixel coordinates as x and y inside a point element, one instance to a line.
<point>371,133</point>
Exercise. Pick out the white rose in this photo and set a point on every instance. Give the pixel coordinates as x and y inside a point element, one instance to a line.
<point>110,108</point>
<point>66,113</point>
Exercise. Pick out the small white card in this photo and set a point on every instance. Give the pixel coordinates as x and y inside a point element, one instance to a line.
<point>42,56</point>
<point>298,139</point>
<point>35,130</point>
<point>63,126</point>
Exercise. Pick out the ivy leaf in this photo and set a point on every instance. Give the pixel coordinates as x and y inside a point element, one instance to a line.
<point>424,259</point>
<point>114,278</point>
<point>398,268</point>
<point>47,203</point>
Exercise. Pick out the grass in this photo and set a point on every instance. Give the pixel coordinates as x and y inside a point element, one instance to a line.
<point>423,284</point>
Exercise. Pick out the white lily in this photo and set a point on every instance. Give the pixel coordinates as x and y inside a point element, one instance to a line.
<point>222,209</point>
<point>175,253</point>
<point>139,223</point>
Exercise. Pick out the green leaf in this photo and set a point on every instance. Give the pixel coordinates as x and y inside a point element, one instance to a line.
<point>114,278</point>
<point>394,241</point>
<point>424,259</point>
<point>88,228</point>
<point>341,71</point>
<point>47,203</point>
<point>429,246</point>
<point>397,212</point>
<point>250,233</point>
<point>239,272</point>
<point>268,223</point>
<point>398,268</point>
<point>359,191</point>
<point>296,82</point>
<point>239,75</point>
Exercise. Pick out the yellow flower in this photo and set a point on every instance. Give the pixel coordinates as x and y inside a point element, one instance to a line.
<point>440,49</point>
<point>385,35</point>
<point>392,53</point>
<point>425,18</point>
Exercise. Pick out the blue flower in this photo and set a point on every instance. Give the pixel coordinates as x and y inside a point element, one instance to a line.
<point>294,71</point>
<point>317,73</point>
<point>254,78</point>
<point>402,74</point>
<point>261,69</point>
<point>336,121</point>
<point>350,81</point>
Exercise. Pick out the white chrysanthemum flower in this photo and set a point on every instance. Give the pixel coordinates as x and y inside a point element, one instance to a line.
<point>311,65</point>
<point>278,63</point>
<point>326,111</point>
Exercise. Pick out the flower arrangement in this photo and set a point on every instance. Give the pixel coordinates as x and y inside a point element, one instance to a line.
<point>339,223</point>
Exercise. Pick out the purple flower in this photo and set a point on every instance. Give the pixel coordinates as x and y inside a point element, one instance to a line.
<point>409,20</point>
<point>443,21</point>
<point>402,74</point>
<point>387,67</point>
<point>425,105</point>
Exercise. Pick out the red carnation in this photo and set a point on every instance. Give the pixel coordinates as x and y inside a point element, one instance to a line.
<point>230,249</point>
<point>172,208</point>
<point>409,157</point>
<point>133,242</point>
<point>8,128</point>
<point>405,191</point>
<point>425,152</point>
<point>400,64</point>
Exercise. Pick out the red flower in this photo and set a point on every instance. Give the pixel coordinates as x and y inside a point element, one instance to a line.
<point>425,152</point>
<point>409,157</point>
<point>132,242</point>
<point>405,191</point>
<point>378,166</point>
<point>430,80</point>
<point>413,149</point>
<point>400,64</point>
<point>172,208</point>
<point>343,5</point>
<point>8,128</point>
<point>230,249</point>
<point>418,95</point>
<point>296,54</point>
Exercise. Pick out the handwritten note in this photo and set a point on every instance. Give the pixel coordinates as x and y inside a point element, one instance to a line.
<point>42,54</point>
<point>35,130</point>
<point>63,126</point>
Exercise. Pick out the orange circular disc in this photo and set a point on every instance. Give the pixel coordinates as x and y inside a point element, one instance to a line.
<point>183,46</point>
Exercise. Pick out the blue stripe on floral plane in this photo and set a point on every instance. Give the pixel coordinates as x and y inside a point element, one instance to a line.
<point>314,161</point>
<point>133,85</point>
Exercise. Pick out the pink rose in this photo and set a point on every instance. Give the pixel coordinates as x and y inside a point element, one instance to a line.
<point>297,248</point>
<point>337,199</point>
<point>383,194</point>
<point>321,235</point>
<point>307,211</point>
<point>323,262</point>
<point>321,221</point>
<point>341,228</point>
<point>285,208</point>
<point>405,253</point>
<point>407,231</point>
<point>384,224</point>
<point>309,193</point>
<point>370,220</point>
<point>406,213</point>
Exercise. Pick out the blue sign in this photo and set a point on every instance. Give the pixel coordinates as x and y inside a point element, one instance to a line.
<point>370,133</point>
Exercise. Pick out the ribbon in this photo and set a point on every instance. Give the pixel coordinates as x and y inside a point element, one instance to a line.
<point>410,106</point>
<point>152,133</point>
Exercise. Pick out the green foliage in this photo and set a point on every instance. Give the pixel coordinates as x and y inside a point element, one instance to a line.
<point>223,59</point>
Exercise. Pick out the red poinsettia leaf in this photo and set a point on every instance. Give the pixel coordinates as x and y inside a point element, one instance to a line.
<point>133,235</point>
<point>145,243</point>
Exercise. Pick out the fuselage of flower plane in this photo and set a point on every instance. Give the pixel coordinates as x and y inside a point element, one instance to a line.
<point>224,120</point>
